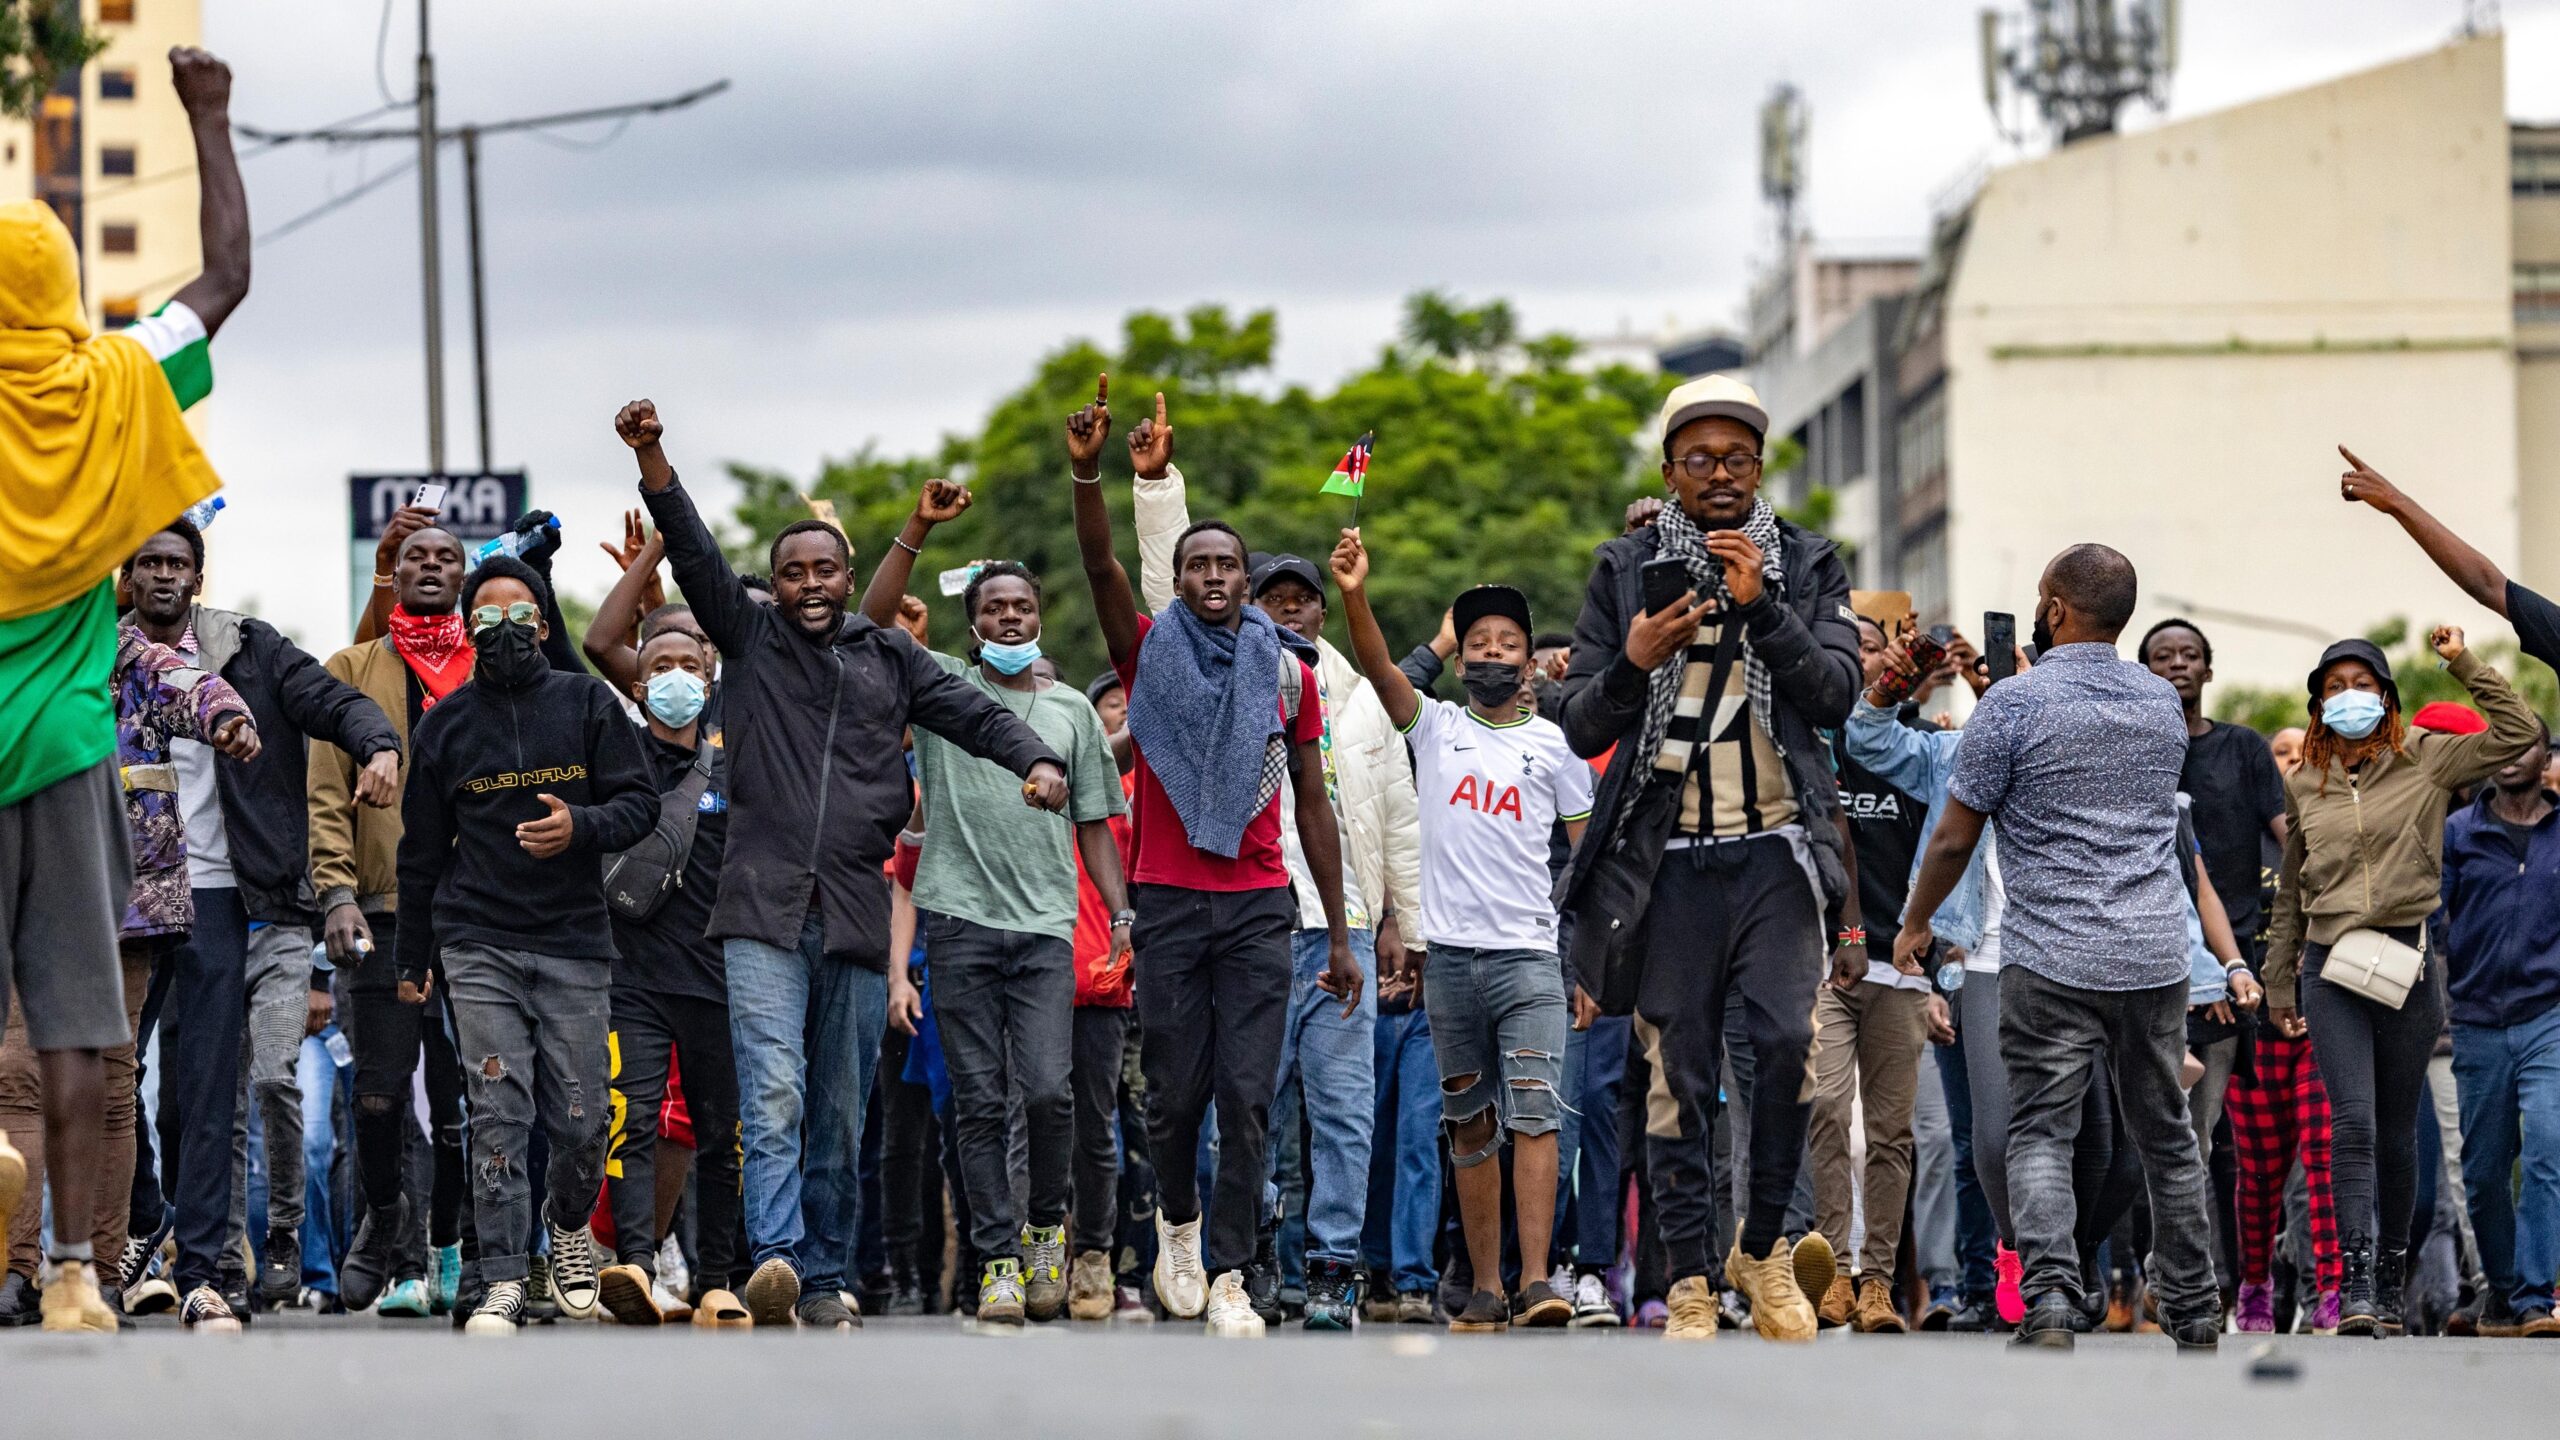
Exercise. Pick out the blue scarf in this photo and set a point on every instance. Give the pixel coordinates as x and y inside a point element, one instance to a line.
<point>1203,712</point>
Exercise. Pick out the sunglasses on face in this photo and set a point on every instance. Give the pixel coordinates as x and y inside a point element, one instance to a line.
<point>488,617</point>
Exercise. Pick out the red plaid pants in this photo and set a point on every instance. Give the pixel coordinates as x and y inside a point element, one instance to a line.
<point>2283,1106</point>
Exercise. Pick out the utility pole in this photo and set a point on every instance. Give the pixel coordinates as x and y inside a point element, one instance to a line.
<point>479,304</point>
<point>429,258</point>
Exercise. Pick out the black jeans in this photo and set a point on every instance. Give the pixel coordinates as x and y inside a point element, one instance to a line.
<point>1212,969</point>
<point>390,1038</point>
<point>910,1173</point>
<point>2374,1062</point>
<point>1101,1030</point>
<point>2054,1039</point>
<point>200,989</point>
<point>1737,919</point>
<point>649,1030</point>
<point>1004,1001</point>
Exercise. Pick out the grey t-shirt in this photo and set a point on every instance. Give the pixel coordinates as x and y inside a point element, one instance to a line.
<point>988,856</point>
<point>2077,762</point>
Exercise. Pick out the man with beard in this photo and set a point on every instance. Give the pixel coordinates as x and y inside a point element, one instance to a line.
<point>816,701</point>
<point>247,825</point>
<point>525,761</point>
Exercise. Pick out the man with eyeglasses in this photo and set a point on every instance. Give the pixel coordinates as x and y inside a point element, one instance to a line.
<point>520,782</point>
<point>1716,833</point>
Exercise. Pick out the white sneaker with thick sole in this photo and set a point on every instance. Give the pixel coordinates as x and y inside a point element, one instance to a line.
<point>1230,1310</point>
<point>1182,1286</point>
<point>501,1311</point>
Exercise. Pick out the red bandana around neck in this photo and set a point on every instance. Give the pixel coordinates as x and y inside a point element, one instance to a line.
<point>436,650</point>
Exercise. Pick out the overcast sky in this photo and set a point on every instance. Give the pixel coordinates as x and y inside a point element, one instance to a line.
<point>896,209</point>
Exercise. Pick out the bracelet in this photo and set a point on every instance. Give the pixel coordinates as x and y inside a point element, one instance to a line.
<point>1849,935</point>
<point>1123,917</point>
<point>1079,479</point>
<point>381,582</point>
<point>901,542</point>
<point>2235,963</point>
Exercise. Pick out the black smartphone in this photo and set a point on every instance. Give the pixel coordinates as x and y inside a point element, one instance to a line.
<point>1999,645</point>
<point>1945,635</point>
<point>1665,582</point>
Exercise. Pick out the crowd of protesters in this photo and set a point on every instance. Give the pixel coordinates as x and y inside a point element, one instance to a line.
<point>1679,974</point>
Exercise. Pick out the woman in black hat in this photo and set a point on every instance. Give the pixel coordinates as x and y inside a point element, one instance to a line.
<point>2364,852</point>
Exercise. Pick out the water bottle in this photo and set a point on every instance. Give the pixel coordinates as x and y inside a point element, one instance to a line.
<point>341,1054</point>
<point>1951,976</point>
<point>201,513</point>
<point>513,543</point>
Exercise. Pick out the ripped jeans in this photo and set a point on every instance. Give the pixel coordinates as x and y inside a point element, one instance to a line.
<point>1498,1022</point>
<point>531,1031</point>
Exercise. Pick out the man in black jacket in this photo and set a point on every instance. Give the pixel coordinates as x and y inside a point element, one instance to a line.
<point>250,952</point>
<point>521,782</point>
<point>1720,772</point>
<point>814,705</point>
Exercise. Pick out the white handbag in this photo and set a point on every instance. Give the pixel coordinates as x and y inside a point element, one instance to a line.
<point>2375,966</point>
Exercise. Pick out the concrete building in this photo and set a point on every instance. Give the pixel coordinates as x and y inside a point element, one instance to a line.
<point>110,150</point>
<point>1823,360</point>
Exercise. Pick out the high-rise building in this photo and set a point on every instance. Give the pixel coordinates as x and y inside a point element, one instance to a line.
<point>109,149</point>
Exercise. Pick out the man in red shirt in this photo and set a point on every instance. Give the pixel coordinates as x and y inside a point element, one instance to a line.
<point>1220,714</point>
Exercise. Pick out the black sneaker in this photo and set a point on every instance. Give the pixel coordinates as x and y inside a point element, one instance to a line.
<point>2389,1268</point>
<point>1330,1288</point>
<point>280,1274</point>
<point>1975,1317</point>
<point>18,1301</point>
<point>1539,1307</point>
<point>2049,1324</point>
<point>825,1310</point>
<point>1485,1314</point>
<point>2358,1314</point>
<point>1262,1276</point>
<point>370,1260</point>
<point>2196,1334</point>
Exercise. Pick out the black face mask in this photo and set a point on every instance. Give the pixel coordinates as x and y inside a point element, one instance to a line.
<point>1491,685</point>
<point>510,655</point>
<point>2041,637</point>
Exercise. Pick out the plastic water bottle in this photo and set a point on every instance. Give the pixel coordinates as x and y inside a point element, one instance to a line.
<point>341,1054</point>
<point>1951,976</point>
<point>201,513</point>
<point>513,543</point>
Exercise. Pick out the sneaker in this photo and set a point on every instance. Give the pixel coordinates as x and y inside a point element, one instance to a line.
<point>1089,1287</point>
<point>405,1300</point>
<point>1940,1314</point>
<point>628,1295</point>
<point>1976,1317</point>
<point>1592,1307</point>
<point>444,1283</point>
<point>573,1271</point>
<point>2538,1323</point>
<point>2009,1295</point>
<point>208,1312</point>
<point>1330,1286</point>
<point>20,1302</point>
<point>1485,1314</point>
<point>1733,1311</point>
<point>500,1312</point>
<point>153,1296</point>
<point>369,1261</point>
<point>720,1310</point>
<point>1381,1305</point>
<point>280,1274</point>
<point>1539,1307</point>
<point>1839,1302</point>
<point>906,1296</point>
<point>2047,1324</point>
<point>1044,1271</point>
<point>72,1302</point>
<point>1000,1294</point>
<point>1816,1265</point>
<point>139,1251</point>
<point>2324,1315</point>
<point>1779,1310</point>
<point>1182,1286</point>
<point>773,1292</point>
<point>1262,1276</point>
<point>541,1306</point>
<point>1652,1315</point>
<point>826,1310</point>
<point>1691,1312</point>
<point>2257,1311</point>
<point>1229,1310</point>
<point>674,1275</point>
<point>1417,1307</point>
<point>1877,1314</point>
<point>2195,1334</point>
<point>673,1309</point>
<point>1129,1307</point>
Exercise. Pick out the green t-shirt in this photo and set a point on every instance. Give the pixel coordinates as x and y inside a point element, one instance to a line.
<point>990,858</point>
<point>56,717</point>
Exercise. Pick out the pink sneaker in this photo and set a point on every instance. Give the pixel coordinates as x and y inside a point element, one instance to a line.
<point>2257,1308</point>
<point>2011,1300</point>
<point>2324,1316</point>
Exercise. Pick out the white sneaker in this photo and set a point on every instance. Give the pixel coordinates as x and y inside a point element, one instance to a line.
<point>1230,1312</point>
<point>1181,1284</point>
<point>574,1287</point>
<point>501,1311</point>
<point>672,1272</point>
<point>1592,1307</point>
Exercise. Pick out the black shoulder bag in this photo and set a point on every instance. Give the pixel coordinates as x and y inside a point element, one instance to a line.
<point>638,880</point>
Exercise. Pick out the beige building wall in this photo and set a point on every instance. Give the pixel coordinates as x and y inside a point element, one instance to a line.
<point>2537,257</point>
<point>2156,341</point>
<point>158,200</point>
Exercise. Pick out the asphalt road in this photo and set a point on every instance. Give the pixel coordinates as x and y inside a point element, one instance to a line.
<point>305,1376</point>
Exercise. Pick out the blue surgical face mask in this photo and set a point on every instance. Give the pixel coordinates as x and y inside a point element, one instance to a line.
<point>1008,659</point>
<point>675,697</point>
<point>2352,713</point>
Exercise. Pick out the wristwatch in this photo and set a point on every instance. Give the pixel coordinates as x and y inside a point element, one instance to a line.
<point>1123,917</point>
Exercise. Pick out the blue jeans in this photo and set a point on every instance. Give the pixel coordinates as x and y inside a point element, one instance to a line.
<point>806,1026</point>
<point>1976,1233</point>
<point>1404,1173</point>
<point>1333,1057</point>
<point>2509,1081</point>
<point>1588,1169</point>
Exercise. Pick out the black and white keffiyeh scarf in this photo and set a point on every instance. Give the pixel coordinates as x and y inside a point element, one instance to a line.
<point>1678,537</point>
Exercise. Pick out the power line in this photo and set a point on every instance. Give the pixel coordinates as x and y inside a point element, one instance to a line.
<point>343,135</point>
<point>381,77</point>
<point>338,202</point>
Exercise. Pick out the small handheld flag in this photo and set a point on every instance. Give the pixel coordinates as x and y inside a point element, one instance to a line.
<point>1353,472</point>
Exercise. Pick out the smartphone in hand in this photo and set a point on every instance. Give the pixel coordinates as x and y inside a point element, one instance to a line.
<point>1999,645</point>
<point>1665,582</point>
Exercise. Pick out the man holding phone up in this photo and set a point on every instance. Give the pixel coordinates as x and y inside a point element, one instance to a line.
<point>1713,695</point>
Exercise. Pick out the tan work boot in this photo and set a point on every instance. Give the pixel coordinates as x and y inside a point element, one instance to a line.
<point>72,1301</point>
<point>1089,1294</point>
<point>1779,1310</point>
<point>1693,1310</point>
<point>1876,1312</point>
<point>1838,1301</point>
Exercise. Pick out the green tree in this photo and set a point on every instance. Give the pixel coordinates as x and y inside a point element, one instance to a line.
<point>1477,476</point>
<point>2421,677</point>
<point>39,40</point>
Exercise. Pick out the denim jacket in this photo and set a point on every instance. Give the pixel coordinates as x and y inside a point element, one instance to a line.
<point>1920,763</point>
